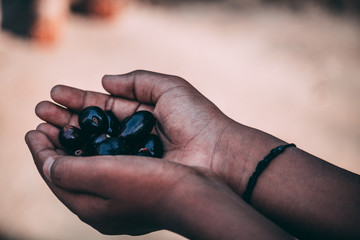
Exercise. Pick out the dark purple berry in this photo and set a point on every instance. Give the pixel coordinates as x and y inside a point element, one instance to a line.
<point>72,138</point>
<point>153,144</point>
<point>137,126</point>
<point>93,120</point>
<point>112,146</point>
<point>113,124</point>
<point>94,141</point>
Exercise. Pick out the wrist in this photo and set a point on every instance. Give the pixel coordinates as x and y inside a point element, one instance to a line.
<point>239,151</point>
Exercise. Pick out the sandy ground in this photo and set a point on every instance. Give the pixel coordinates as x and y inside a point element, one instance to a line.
<point>295,75</point>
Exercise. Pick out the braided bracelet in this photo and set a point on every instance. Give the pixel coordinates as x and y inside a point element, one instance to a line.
<point>260,168</point>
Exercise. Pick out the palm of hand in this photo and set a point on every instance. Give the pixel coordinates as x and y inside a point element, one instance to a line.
<point>190,126</point>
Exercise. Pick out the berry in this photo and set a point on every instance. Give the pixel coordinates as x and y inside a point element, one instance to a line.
<point>112,146</point>
<point>153,144</point>
<point>93,120</point>
<point>99,138</point>
<point>137,126</point>
<point>72,138</point>
<point>94,141</point>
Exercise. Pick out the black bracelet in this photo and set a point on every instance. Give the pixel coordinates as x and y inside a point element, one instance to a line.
<point>260,168</point>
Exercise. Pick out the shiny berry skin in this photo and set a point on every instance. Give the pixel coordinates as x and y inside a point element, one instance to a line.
<point>72,138</point>
<point>99,138</point>
<point>93,120</point>
<point>94,141</point>
<point>137,126</point>
<point>112,146</point>
<point>153,144</point>
<point>113,123</point>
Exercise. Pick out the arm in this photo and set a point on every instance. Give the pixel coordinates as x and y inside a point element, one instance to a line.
<point>296,190</point>
<point>305,195</point>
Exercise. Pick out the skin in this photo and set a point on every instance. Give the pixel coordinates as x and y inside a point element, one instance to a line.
<point>208,158</point>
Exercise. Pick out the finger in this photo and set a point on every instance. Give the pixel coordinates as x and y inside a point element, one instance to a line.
<point>77,99</point>
<point>103,175</point>
<point>143,86</point>
<point>41,149</point>
<point>44,154</point>
<point>91,174</point>
<point>52,132</point>
<point>55,114</point>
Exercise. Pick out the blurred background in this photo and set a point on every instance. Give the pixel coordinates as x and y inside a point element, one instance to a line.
<point>290,68</point>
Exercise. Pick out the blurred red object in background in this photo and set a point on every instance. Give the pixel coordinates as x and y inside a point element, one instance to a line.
<point>44,20</point>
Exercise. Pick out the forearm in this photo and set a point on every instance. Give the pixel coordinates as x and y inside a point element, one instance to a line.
<point>304,194</point>
<point>310,197</point>
<point>213,211</point>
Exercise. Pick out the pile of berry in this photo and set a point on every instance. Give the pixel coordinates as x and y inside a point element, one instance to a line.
<point>101,133</point>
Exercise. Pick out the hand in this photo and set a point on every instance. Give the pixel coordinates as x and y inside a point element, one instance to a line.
<point>113,194</point>
<point>190,126</point>
<point>194,131</point>
<point>137,195</point>
<point>188,123</point>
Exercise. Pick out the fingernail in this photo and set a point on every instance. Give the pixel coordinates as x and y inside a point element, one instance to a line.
<point>47,166</point>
